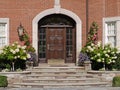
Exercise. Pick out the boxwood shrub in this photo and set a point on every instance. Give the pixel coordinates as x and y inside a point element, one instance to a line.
<point>116,81</point>
<point>3,81</point>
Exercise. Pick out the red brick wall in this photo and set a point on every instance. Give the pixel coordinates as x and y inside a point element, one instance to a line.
<point>79,8</point>
<point>22,11</point>
<point>25,10</point>
<point>96,13</point>
<point>118,7</point>
<point>111,8</point>
<point>99,9</point>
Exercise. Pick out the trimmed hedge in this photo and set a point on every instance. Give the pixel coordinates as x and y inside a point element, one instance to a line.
<point>116,81</point>
<point>3,81</point>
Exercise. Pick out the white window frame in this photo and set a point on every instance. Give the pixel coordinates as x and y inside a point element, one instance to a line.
<point>6,22</point>
<point>111,19</point>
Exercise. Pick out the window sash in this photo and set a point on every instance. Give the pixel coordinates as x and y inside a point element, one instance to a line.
<point>3,34</point>
<point>111,33</point>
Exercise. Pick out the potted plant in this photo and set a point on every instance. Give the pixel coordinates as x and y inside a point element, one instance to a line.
<point>15,52</point>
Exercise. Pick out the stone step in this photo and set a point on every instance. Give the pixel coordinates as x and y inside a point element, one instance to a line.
<point>60,76</point>
<point>44,85</point>
<point>57,65</point>
<point>80,80</point>
<point>58,68</point>
<point>57,72</point>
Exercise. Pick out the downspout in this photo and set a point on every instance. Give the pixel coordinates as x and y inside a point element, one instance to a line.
<point>87,23</point>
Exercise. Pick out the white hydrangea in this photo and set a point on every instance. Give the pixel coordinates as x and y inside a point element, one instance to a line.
<point>98,54</point>
<point>99,44</point>
<point>99,60</point>
<point>24,58</point>
<point>118,51</point>
<point>113,52</point>
<point>18,56</point>
<point>18,46</point>
<point>15,57</point>
<point>104,52</point>
<point>107,55</point>
<point>114,57</point>
<point>24,51</point>
<point>13,52</point>
<point>23,47</point>
<point>108,51</point>
<point>89,47</point>
<point>113,61</point>
<point>17,50</point>
<point>28,56</point>
<point>103,59</point>
<point>92,44</point>
<point>91,57</point>
<point>1,51</point>
<point>13,44</point>
<point>110,60</point>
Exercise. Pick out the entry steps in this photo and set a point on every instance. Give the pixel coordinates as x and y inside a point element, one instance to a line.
<point>59,76</point>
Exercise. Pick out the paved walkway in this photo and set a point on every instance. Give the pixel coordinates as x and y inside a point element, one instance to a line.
<point>66,88</point>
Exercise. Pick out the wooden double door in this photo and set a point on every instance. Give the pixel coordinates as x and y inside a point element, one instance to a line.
<point>56,43</point>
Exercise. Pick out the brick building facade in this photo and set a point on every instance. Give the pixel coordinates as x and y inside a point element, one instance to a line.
<point>79,14</point>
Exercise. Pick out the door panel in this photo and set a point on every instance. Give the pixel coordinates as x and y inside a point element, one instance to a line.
<point>55,43</point>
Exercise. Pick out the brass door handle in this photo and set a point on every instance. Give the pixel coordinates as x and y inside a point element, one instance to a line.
<point>48,46</point>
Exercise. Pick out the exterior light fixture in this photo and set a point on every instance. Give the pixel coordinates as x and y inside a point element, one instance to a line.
<point>20,30</point>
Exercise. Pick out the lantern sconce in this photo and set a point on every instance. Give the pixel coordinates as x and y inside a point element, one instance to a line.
<point>21,32</point>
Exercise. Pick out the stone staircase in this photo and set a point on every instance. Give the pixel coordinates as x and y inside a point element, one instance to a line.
<point>59,76</point>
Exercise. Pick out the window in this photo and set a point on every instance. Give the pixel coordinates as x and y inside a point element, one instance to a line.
<point>2,34</point>
<point>111,33</point>
<point>4,31</point>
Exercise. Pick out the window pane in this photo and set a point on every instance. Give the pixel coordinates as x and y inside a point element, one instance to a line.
<point>111,28</point>
<point>69,42</point>
<point>42,43</point>
<point>112,41</point>
<point>111,33</point>
<point>2,41</point>
<point>2,29</point>
<point>2,34</point>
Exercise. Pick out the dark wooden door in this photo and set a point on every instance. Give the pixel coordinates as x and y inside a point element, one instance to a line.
<point>55,43</point>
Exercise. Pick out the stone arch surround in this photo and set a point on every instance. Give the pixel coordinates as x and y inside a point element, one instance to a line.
<point>58,11</point>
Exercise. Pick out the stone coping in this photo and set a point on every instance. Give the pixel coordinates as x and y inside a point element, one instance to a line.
<point>21,72</point>
<point>104,72</point>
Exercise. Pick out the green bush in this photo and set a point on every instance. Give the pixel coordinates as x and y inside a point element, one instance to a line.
<point>116,81</point>
<point>117,63</point>
<point>3,81</point>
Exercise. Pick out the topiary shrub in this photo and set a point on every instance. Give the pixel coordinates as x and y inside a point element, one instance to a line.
<point>116,81</point>
<point>3,81</point>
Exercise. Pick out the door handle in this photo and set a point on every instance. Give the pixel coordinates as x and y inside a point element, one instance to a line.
<point>48,46</point>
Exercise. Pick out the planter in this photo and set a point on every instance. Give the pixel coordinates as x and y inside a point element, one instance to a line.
<point>87,65</point>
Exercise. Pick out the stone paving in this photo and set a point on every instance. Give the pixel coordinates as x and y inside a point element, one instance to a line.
<point>66,88</point>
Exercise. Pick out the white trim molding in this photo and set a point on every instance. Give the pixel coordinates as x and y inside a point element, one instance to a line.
<point>111,19</point>
<point>58,11</point>
<point>6,21</point>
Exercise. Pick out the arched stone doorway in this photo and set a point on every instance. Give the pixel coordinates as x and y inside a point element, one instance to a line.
<point>56,39</point>
<point>57,11</point>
